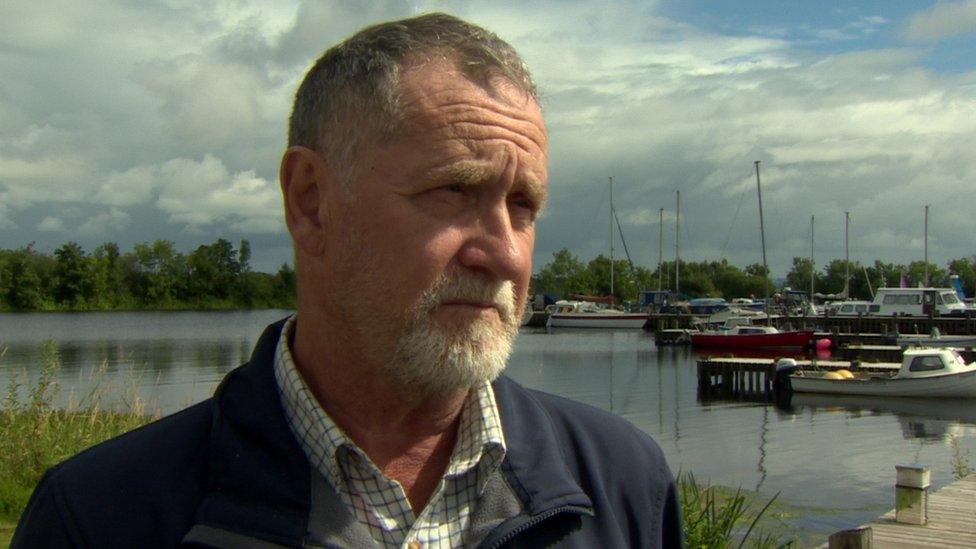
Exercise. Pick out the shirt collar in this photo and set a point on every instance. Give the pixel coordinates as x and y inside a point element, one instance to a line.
<point>480,440</point>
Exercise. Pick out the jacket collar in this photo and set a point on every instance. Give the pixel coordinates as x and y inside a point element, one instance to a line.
<point>535,463</point>
<point>259,481</point>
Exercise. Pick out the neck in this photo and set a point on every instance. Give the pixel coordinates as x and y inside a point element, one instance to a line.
<point>409,436</point>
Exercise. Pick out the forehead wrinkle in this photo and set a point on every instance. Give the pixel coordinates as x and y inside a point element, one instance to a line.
<point>424,114</point>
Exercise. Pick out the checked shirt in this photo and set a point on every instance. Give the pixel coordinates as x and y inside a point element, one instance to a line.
<point>378,502</point>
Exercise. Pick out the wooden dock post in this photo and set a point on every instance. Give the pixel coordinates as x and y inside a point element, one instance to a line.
<point>855,538</point>
<point>912,494</point>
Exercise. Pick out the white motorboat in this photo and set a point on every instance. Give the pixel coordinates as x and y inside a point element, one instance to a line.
<point>586,314</point>
<point>924,372</point>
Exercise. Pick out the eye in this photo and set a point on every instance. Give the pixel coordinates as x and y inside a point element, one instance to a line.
<point>525,204</point>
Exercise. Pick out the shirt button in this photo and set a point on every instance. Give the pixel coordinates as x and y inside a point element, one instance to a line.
<point>414,544</point>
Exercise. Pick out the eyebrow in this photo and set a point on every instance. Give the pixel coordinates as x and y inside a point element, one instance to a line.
<point>535,189</point>
<point>467,174</point>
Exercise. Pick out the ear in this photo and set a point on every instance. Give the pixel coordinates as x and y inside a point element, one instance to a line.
<point>304,178</point>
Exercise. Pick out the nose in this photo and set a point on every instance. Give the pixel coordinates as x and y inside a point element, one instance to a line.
<point>496,247</point>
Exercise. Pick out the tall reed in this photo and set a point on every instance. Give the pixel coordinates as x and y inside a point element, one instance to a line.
<point>716,519</point>
<point>35,434</point>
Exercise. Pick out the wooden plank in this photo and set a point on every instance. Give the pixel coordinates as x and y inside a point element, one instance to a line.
<point>952,521</point>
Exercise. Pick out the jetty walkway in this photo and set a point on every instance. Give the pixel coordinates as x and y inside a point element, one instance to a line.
<point>838,324</point>
<point>951,522</point>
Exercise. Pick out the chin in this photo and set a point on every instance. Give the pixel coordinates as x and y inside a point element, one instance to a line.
<point>433,360</point>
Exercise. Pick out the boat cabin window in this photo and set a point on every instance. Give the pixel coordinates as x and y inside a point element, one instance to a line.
<point>926,363</point>
<point>949,298</point>
<point>902,299</point>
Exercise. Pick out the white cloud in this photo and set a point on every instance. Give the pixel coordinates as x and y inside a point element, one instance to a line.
<point>943,20</point>
<point>133,186</point>
<point>111,222</point>
<point>50,224</point>
<point>205,193</point>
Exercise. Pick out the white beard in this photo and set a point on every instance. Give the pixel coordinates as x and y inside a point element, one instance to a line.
<point>432,360</point>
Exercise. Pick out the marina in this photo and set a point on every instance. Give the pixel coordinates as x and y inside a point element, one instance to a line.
<point>174,359</point>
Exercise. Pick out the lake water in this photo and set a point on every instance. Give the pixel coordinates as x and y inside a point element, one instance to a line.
<point>832,460</point>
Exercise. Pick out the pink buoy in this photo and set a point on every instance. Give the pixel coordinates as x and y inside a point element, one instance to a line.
<point>823,343</point>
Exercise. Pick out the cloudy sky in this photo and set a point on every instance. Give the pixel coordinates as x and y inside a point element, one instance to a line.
<point>131,121</point>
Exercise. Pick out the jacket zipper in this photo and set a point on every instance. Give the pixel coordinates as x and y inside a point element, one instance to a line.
<point>534,521</point>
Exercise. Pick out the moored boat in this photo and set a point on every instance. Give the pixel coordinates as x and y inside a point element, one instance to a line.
<point>752,337</point>
<point>925,372</point>
<point>586,314</point>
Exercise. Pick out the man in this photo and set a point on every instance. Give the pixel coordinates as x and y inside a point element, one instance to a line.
<point>416,168</point>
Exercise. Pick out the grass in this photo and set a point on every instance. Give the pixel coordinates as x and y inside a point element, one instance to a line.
<point>961,466</point>
<point>35,434</point>
<point>715,517</point>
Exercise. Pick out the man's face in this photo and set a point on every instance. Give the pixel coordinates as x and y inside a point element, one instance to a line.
<point>434,247</point>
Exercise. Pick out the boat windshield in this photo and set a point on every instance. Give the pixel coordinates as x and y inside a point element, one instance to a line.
<point>949,298</point>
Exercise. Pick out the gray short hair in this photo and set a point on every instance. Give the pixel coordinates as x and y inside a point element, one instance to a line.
<point>350,97</point>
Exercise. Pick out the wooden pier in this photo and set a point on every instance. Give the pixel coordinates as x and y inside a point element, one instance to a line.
<point>756,379</point>
<point>951,522</point>
<point>840,324</point>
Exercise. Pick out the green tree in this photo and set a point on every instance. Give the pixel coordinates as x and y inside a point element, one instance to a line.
<point>74,286</point>
<point>20,282</point>
<point>158,273</point>
<point>835,279</point>
<point>564,275</point>
<point>799,276</point>
<point>696,282</point>
<point>248,286</point>
<point>213,272</point>
<point>284,287</point>
<point>884,274</point>
<point>108,276</point>
<point>937,277</point>
<point>965,269</point>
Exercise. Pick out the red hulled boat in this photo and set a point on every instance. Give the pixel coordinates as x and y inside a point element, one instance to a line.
<point>745,337</point>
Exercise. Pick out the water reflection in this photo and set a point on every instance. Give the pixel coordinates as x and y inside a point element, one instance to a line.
<point>919,418</point>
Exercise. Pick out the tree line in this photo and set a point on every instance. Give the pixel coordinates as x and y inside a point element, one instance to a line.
<point>566,274</point>
<point>151,276</point>
<point>865,279</point>
<point>218,276</point>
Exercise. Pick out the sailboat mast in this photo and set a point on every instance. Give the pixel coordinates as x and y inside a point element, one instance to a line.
<point>812,271</point>
<point>660,249</point>
<point>611,239</point>
<point>847,255</point>
<point>926,245</point>
<point>762,235</point>
<point>677,254</point>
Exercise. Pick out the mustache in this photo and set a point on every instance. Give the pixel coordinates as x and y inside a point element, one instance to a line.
<point>500,293</point>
